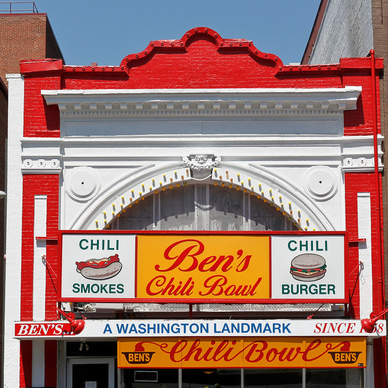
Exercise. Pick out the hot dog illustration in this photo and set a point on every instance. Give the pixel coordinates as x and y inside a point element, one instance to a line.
<point>100,269</point>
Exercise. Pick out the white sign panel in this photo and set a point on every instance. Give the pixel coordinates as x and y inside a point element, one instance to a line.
<point>204,328</point>
<point>98,266</point>
<point>308,267</point>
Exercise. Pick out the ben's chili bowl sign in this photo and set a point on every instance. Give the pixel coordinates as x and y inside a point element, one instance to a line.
<point>308,267</point>
<point>204,268</point>
<point>241,353</point>
<point>98,267</point>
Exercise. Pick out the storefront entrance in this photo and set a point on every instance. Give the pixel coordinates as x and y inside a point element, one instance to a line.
<point>93,365</point>
<point>91,373</point>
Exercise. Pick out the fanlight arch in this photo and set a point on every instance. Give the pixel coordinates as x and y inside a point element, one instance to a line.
<point>292,202</point>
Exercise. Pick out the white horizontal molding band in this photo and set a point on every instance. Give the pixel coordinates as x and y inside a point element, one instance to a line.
<point>354,153</point>
<point>203,102</point>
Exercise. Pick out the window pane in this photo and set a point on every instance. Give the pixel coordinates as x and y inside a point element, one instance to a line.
<point>202,207</point>
<point>177,209</point>
<point>211,378</point>
<point>139,216</point>
<point>266,217</point>
<point>98,373</point>
<point>165,378</point>
<point>334,378</point>
<point>290,378</point>
<point>226,209</point>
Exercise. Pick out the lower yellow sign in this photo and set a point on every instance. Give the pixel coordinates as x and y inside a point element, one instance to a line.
<point>241,353</point>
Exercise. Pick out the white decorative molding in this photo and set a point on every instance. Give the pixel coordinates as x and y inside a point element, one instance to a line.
<point>361,164</point>
<point>204,102</point>
<point>320,183</point>
<point>353,153</point>
<point>82,184</point>
<point>198,112</point>
<point>40,165</point>
<point>41,156</point>
<point>358,153</point>
<point>201,164</point>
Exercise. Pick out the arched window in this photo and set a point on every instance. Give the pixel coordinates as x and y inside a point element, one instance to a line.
<point>202,207</point>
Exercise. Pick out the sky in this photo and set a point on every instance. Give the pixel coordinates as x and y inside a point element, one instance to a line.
<point>105,31</point>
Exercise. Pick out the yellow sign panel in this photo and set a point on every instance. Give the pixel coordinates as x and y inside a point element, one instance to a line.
<point>203,267</point>
<point>241,353</point>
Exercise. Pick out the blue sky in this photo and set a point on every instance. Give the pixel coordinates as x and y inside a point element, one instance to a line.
<point>105,31</point>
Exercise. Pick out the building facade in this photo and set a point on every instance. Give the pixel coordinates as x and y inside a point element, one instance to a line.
<point>200,215</point>
<point>25,34</point>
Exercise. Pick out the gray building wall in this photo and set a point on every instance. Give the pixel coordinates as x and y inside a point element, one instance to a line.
<point>346,31</point>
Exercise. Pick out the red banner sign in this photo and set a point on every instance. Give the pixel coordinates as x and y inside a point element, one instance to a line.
<point>44,329</point>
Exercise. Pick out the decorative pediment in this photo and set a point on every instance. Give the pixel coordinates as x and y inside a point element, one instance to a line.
<point>201,58</point>
<point>201,34</point>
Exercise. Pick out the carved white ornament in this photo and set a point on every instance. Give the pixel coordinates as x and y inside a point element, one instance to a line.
<point>202,162</point>
<point>320,183</point>
<point>41,164</point>
<point>82,184</point>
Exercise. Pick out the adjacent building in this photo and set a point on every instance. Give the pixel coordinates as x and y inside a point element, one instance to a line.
<point>199,215</point>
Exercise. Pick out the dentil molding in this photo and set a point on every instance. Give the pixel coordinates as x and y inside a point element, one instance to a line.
<point>203,102</point>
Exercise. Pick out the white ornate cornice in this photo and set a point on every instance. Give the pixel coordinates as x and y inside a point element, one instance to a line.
<point>203,102</point>
<point>358,153</point>
<point>354,153</point>
<point>41,165</point>
<point>41,156</point>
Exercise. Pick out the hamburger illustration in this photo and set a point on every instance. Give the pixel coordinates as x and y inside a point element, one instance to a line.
<point>308,267</point>
<point>99,269</point>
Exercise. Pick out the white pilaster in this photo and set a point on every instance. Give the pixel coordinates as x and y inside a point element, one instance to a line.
<point>365,255</point>
<point>38,363</point>
<point>39,276</point>
<point>39,286</point>
<point>366,280</point>
<point>14,230</point>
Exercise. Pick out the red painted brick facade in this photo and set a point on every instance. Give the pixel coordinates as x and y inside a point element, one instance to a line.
<point>39,185</point>
<point>198,61</point>
<point>358,183</point>
<point>22,36</point>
